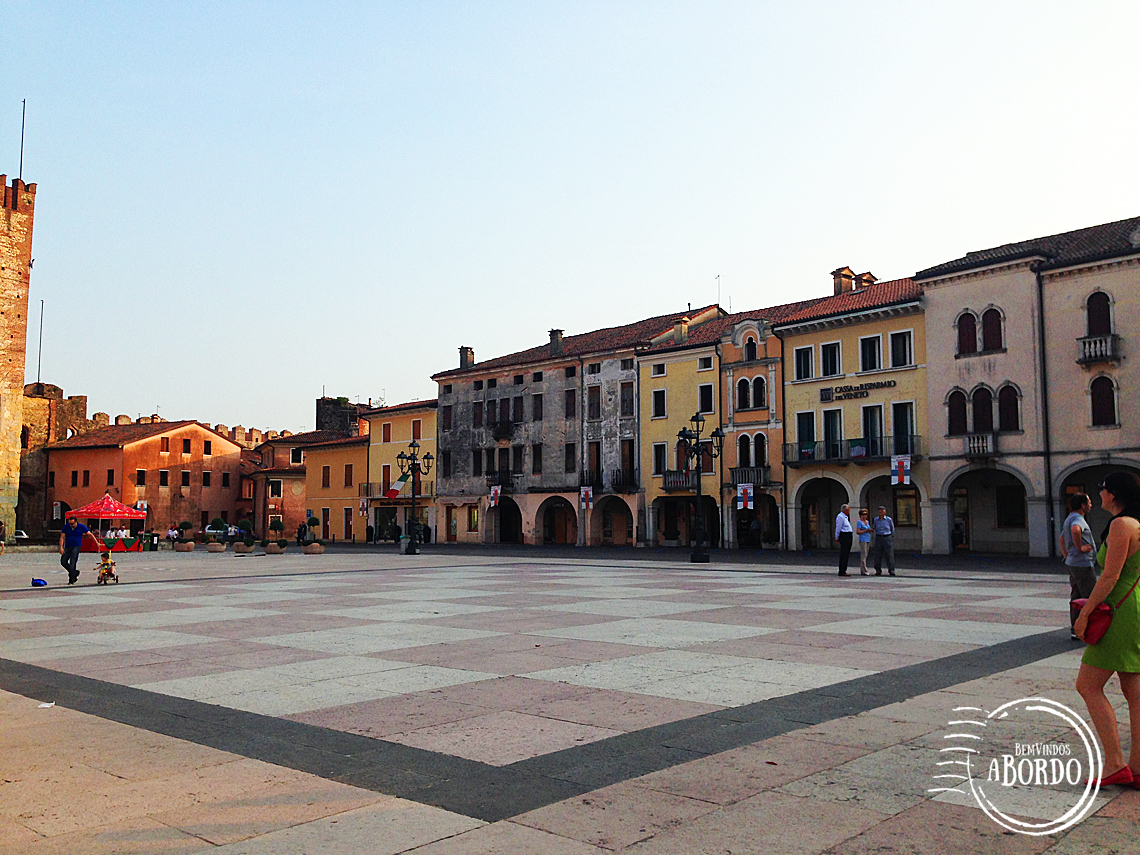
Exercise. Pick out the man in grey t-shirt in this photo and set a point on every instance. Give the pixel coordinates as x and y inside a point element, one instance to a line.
<point>1079,549</point>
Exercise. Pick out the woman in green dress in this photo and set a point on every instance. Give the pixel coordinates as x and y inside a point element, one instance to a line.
<point>1118,652</point>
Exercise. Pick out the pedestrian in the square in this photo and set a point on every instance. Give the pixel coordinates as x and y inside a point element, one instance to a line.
<point>1118,650</point>
<point>863,532</point>
<point>1079,549</point>
<point>3,536</point>
<point>70,542</point>
<point>843,536</point>
<point>884,542</point>
<point>754,530</point>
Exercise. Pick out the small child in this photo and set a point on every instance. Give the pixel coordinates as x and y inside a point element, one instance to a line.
<point>106,568</point>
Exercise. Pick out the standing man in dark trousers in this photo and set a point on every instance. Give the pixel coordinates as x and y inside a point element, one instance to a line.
<point>1079,549</point>
<point>843,536</point>
<point>884,542</point>
<point>70,541</point>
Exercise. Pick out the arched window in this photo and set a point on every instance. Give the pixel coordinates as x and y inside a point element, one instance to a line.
<point>1099,317</point>
<point>744,451</point>
<point>749,349</point>
<point>759,393</point>
<point>991,330</point>
<point>742,395</point>
<point>682,455</point>
<point>760,449</point>
<point>983,411</point>
<point>1103,401</point>
<point>1008,418</point>
<point>967,334</point>
<point>957,414</point>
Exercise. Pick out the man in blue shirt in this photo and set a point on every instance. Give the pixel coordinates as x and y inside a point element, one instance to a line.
<point>884,542</point>
<point>70,541</point>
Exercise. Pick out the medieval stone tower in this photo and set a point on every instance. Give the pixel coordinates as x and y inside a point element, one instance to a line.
<point>15,272</point>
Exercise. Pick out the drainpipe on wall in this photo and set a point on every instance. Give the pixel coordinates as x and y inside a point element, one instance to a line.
<point>783,434</point>
<point>583,532</point>
<point>1045,411</point>
<point>720,406</point>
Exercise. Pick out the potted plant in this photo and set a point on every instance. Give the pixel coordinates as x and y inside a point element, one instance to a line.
<point>313,545</point>
<point>244,544</point>
<point>278,546</point>
<point>182,543</point>
<point>217,528</point>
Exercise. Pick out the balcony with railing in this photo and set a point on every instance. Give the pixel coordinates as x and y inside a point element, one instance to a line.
<point>841,452</point>
<point>377,489</point>
<point>623,480</point>
<point>1099,348</point>
<point>674,480</point>
<point>757,476</point>
<point>503,430</point>
<point>979,444</point>
<point>503,478</point>
<point>591,478</point>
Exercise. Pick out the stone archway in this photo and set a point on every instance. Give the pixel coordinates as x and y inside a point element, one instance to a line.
<point>507,521</point>
<point>556,522</point>
<point>1084,478</point>
<point>820,500</point>
<point>903,504</point>
<point>611,523</point>
<point>989,512</point>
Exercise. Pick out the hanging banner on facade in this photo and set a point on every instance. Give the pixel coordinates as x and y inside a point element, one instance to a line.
<point>586,498</point>
<point>56,511</point>
<point>496,491</point>
<point>140,505</point>
<point>364,507</point>
<point>900,469</point>
<point>398,485</point>
<point>744,500</point>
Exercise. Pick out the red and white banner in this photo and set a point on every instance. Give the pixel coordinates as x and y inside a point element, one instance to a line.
<point>900,469</point>
<point>744,497</point>
<point>586,498</point>
<point>495,492</point>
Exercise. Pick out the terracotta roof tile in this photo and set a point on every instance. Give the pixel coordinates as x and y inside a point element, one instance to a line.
<point>596,341</point>
<point>307,438</point>
<point>344,440</point>
<point>1061,250</point>
<point>871,297</point>
<point>120,435</point>
<point>427,404</point>
<point>710,332</point>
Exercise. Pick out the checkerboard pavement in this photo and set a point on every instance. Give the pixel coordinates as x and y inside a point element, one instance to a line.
<point>501,661</point>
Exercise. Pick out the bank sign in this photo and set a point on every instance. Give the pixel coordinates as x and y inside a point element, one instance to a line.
<point>845,393</point>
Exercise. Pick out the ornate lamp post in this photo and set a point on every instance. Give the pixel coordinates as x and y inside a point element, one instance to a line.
<point>417,466</point>
<point>692,440</point>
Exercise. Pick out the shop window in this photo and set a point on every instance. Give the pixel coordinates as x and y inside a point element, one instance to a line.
<point>472,518</point>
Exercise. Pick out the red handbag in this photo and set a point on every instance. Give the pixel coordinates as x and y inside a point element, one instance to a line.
<point>1100,619</point>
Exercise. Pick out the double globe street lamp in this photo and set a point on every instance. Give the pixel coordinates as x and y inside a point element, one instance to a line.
<point>417,465</point>
<point>691,448</point>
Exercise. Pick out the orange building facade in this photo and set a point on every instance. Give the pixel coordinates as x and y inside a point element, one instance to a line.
<point>176,471</point>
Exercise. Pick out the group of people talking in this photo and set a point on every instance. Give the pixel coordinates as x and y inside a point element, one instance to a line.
<point>882,526</point>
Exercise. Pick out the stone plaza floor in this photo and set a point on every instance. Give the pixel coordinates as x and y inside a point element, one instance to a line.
<point>456,702</point>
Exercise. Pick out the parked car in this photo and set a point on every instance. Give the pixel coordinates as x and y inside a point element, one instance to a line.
<point>21,536</point>
<point>222,535</point>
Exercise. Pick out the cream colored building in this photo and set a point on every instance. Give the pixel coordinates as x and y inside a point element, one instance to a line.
<point>1028,393</point>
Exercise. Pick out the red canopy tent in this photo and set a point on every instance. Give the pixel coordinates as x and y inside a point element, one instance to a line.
<point>108,508</point>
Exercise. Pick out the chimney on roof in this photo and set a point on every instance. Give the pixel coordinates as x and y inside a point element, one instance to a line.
<point>556,342</point>
<point>843,280</point>
<point>865,279</point>
<point>466,357</point>
<point>681,330</point>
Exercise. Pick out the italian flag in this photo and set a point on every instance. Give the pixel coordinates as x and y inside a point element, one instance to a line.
<point>395,489</point>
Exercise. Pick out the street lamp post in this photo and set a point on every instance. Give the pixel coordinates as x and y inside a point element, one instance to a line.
<point>417,465</point>
<point>692,445</point>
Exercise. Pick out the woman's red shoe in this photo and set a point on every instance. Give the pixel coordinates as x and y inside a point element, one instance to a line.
<point>1122,777</point>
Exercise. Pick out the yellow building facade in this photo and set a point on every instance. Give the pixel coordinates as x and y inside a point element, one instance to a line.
<point>391,431</point>
<point>855,399</point>
<point>679,377</point>
<point>334,474</point>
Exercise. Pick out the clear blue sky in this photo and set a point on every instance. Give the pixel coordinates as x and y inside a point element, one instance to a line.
<point>253,201</point>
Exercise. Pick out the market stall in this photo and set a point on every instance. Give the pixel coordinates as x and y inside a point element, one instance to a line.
<point>110,510</point>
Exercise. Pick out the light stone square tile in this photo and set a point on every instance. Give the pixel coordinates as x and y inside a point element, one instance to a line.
<point>656,632</point>
<point>372,638</point>
<point>614,674</point>
<point>427,594</point>
<point>244,598</point>
<point>1042,602</point>
<point>96,643</point>
<point>931,629</point>
<point>420,678</point>
<point>65,599</point>
<point>848,606</point>
<point>801,676</point>
<point>630,608</point>
<point>408,611</point>
<point>181,617</point>
<point>602,592</point>
<point>22,617</point>
<point>333,668</point>
<point>289,700</point>
<point>713,687</point>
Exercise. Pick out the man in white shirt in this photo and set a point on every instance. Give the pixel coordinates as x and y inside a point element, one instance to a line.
<point>843,536</point>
